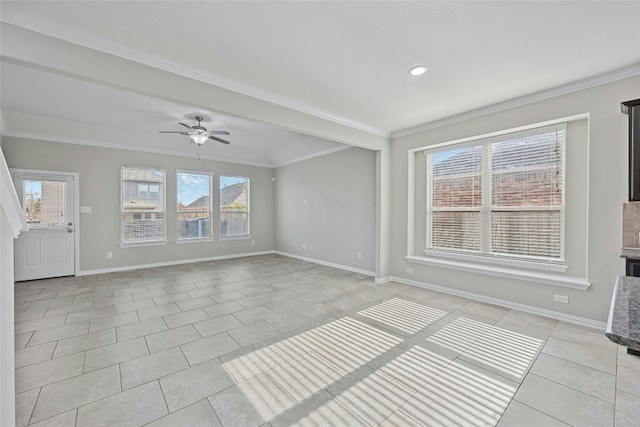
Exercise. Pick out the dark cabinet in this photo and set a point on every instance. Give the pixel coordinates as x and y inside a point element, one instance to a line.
<point>632,108</point>
<point>633,267</point>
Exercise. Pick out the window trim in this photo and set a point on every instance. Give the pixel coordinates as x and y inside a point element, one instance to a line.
<point>208,238</point>
<point>156,242</point>
<point>485,255</point>
<point>247,235</point>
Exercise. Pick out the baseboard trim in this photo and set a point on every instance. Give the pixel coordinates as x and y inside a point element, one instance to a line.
<point>500,302</point>
<point>170,263</point>
<point>326,263</point>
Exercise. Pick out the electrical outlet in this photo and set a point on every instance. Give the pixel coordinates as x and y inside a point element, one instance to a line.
<point>561,298</point>
<point>109,255</point>
<point>303,246</point>
<point>409,270</point>
<point>253,243</point>
<point>359,255</point>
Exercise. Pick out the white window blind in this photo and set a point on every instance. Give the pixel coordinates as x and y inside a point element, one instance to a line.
<point>502,196</point>
<point>194,205</point>
<point>45,203</point>
<point>142,218</point>
<point>234,206</point>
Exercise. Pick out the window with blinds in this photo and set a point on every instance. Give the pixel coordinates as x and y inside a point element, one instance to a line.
<point>194,205</point>
<point>502,196</point>
<point>142,210</point>
<point>234,206</point>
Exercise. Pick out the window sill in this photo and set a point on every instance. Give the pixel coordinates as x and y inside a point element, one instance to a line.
<point>204,239</point>
<point>502,271</point>
<point>247,237</point>
<point>555,267</point>
<point>138,244</point>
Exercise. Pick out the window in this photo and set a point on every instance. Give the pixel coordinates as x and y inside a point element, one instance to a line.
<point>194,205</point>
<point>142,218</point>
<point>234,206</point>
<point>45,203</point>
<point>501,197</point>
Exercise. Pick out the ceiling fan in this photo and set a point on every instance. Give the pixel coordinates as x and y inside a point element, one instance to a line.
<point>199,134</point>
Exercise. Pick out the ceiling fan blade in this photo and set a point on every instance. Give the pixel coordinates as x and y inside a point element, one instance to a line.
<point>187,126</point>
<point>218,132</point>
<point>219,140</point>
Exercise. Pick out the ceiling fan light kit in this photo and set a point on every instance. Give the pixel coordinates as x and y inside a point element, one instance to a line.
<point>198,134</point>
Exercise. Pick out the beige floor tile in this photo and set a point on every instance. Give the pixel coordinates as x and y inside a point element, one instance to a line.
<point>253,315</point>
<point>320,410</point>
<point>21,340</point>
<point>253,333</point>
<point>192,304</point>
<point>628,381</point>
<point>305,376</point>
<point>133,306</point>
<point>626,410</point>
<point>186,318</point>
<point>209,348</point>
<point>583,335</point>
<point>25,402</point>
<point>140,329</point>
<point>370,394</point>
<point>519,415</point>
<point>115,353</point>
<point>34,354</point>
<point>37,324</point>
<point>198,414</point>
<point>578,377</point>
<point>77,391</point>
<point>147,368</point>
<point>628,360</point>
<point>563,403</point>
<point>59,332</point>
<point>95,313</point>
<point>172,338</point>
<point>85,342</point>
<point>171,298</point>
<point>229,307</point>
<point>113,321</point>
<point>159,311</point>
<point>251,402</point>
<point>398,419</point>
<point>582,354</point>
<point>134,407</point>
<point>217,325</point>
<point>462,394</point>
<point>193,384</point>
<point>43,373</point>
<point>67,419</point>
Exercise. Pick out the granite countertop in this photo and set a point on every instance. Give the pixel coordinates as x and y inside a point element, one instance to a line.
<point>623,326</point>
<point>631,253</point>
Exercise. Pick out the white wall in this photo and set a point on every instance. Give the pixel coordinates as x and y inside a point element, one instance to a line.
<point>99,170</point>
<point>338,219</point>
<point>596,189</point>
<point>11,221</point>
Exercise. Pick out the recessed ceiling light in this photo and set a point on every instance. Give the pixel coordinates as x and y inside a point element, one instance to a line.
<point>418,70</point>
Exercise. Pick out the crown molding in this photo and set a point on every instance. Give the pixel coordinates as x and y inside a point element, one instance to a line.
<point>588,83</point>
<point>103,46</point>
<point>104,144</point>
<point>313,156</point>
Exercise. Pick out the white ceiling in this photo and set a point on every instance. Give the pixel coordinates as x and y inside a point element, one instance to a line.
<point>346,61</point>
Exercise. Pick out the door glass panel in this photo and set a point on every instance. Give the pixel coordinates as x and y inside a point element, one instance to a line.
<point>45,203</point>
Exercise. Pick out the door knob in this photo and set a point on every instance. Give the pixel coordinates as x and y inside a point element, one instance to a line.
<point>69,230</point>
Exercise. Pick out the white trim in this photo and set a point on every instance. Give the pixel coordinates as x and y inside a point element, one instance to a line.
<point>500,261</point>
<point>612,76</point>
<point>590,323</point>
<point>511,273</point>
<point>243,237</point>
<point>104,144</point>
<point>328,264</point>
<point>76,207</point>
<point>169,263</point>
<point>9,202</point>
<point>194,240</point>
<point>152,61</point>
<point>313,156</point>
<point>141,244</point>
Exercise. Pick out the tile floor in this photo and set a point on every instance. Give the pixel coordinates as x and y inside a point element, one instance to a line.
<point>272,341</point>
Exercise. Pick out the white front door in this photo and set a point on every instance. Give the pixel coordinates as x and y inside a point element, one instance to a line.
<point>48,248</point>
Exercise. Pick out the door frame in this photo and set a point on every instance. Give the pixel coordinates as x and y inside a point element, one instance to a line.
<point>76,206</point>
